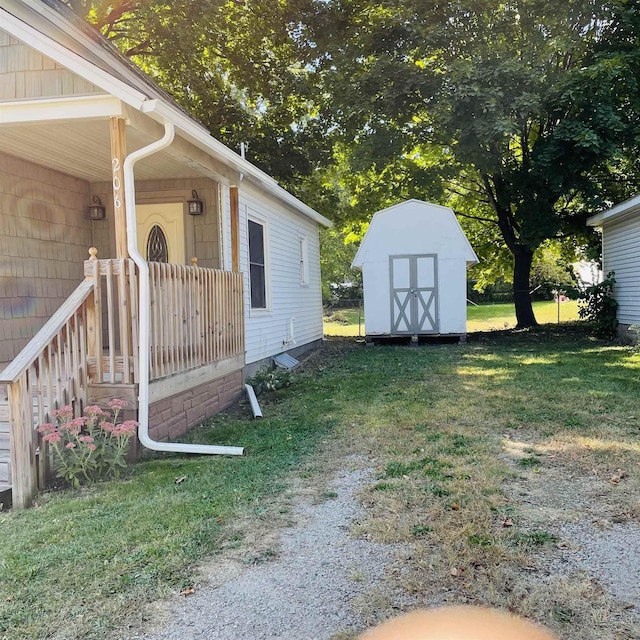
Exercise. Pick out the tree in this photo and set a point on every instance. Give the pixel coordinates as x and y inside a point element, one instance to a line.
<point>236,66</point>
<point>526,103</point>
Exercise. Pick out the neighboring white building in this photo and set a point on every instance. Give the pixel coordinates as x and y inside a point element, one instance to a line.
<point>620,227</point>
<point>414,258</point>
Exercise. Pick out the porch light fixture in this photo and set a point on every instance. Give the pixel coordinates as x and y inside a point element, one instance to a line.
<point>96,210</point>
<point>195,206</point>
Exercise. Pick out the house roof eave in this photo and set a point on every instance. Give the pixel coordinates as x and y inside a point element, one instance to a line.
<point>625,209</point>
<point>63,108</point>
<point>150,100</point>
<point>47,46</point>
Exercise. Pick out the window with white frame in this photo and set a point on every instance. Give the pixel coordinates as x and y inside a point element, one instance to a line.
<point>303,252</point>
<point>257,265</point>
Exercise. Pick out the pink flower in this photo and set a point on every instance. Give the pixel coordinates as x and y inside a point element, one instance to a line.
<point>46,428</point>
<point>107,426</point>
<point>129,427</point>
<point>94,411</point>
<point>54,436</point>
<point>65,413</point>
<point>85,439</point>
<point>91,447</point>
<point>74,426</point>
<point>70,445</point>
<point>117,404</point>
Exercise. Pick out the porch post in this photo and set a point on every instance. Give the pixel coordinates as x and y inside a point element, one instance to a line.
<point>118,154</point>
<point>23,443</point>
<point>234,209</point>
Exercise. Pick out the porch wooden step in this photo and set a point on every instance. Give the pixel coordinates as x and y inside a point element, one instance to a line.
<point>4,436</point>
<point>5,468</point>
<point>4,411</point>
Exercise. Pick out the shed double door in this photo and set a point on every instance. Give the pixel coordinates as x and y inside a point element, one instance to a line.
<point>414,294</point>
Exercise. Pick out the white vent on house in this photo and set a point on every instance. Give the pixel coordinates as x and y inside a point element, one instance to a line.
<point>285,361</point>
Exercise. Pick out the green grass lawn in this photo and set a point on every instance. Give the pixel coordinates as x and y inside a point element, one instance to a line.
<point>487,317</point>
<point>344,322</point>
<point>86,561</point>
<point>502,316</point>
<point>435,417</point>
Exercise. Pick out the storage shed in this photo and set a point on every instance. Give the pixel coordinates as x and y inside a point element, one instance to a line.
<point>414,258</point>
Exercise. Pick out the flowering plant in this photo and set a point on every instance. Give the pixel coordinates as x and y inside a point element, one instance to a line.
<point>91,447</point>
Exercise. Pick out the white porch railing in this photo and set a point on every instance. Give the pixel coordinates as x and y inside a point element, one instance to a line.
<point>196,319</point>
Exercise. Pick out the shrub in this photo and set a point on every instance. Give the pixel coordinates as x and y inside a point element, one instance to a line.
<point>338,316</point>
<point>91,447</point>
<point>267,379</point>
<point>600,308</point>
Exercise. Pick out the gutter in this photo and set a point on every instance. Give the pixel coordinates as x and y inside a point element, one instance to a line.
<point>144,305</point>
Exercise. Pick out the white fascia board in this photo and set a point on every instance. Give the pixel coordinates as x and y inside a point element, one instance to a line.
<point>70,60</point>
<point>358,259</point>
<point>60,109</point>
<point>200,137</point>
<point>627,208</point>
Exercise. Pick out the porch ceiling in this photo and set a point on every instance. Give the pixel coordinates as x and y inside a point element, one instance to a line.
<point>82,148</point>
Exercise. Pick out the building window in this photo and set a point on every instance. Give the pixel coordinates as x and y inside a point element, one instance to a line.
<point>303,252</point>
<point>257,266</point>
<point>157,249</point>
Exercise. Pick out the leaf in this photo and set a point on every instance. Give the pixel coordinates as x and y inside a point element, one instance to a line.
<point>455,507</point>
<point>187,591</point>
<point>507,522</point>
<point>617,477</point>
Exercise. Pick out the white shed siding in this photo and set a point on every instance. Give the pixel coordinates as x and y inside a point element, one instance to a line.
<point>621,253</point>
<point>415,228</point>
<point>376,289</point>
<point>452,291</point>
<point>267,330</point>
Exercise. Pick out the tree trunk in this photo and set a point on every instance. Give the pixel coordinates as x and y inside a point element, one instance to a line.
<point>521,271</point>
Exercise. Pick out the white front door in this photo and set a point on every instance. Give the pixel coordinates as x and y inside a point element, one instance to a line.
<point>161,232</point>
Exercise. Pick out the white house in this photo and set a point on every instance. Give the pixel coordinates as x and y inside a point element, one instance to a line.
<point>414,258</point>
<point>620,228</point>
<point>283,297</point>
<point>96,160</point>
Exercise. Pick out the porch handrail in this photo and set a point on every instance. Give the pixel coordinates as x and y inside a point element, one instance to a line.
<point>197,320</point>
<point>44,376</point>
<point>29,354</point>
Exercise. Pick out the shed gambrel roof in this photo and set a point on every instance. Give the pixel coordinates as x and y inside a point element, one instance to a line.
<point>52,29</point>
<point>407,227</point>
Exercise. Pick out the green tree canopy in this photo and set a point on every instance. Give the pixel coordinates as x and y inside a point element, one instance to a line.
<point>235,65</point>
<point>530,105</point>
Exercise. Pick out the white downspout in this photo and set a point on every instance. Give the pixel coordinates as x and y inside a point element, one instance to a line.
<point>144,305</point>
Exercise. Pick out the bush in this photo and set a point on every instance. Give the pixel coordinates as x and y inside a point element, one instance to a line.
<point>600,308</point>
<point>269,380</point>
<point>92,447</point>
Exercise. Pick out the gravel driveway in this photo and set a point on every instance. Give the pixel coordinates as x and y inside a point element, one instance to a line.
<point>305,591</point>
